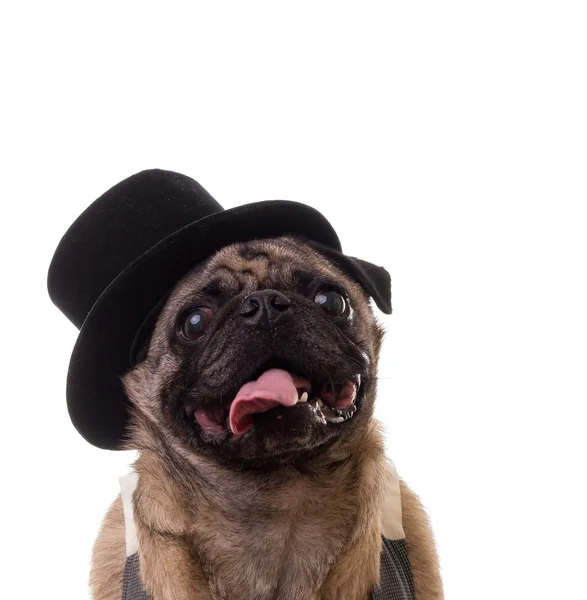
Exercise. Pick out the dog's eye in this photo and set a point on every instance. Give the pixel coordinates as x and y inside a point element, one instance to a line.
<point>196,323</point>
<point>332,302</point>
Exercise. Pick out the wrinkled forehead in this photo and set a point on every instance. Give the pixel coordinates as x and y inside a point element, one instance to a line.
<point>281,263</point>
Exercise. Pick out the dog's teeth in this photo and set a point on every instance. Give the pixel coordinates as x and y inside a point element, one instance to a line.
<point>320,402</point>
<point>303,397</point>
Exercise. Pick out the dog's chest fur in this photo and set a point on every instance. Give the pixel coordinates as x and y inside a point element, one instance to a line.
<point>275,545</point>
<point>237,536</point>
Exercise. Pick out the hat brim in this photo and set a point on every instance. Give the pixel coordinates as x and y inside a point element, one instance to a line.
<point>96,400</point>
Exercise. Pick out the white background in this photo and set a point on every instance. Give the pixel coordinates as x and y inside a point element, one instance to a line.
<point>445,140</point>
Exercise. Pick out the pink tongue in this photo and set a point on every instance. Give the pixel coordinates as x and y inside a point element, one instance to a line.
<point>341,397</point>
<point>275,387</point>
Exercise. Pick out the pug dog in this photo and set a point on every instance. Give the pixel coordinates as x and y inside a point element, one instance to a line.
<point>261,472</point>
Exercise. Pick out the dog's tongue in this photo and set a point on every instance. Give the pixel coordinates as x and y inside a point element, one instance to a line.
<point>275,387</point>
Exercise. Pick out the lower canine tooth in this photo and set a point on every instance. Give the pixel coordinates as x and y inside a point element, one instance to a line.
<point>303,397</point>
<point>320,402</point>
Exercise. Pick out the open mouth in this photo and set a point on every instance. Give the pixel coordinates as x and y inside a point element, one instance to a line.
<point>277,391</point>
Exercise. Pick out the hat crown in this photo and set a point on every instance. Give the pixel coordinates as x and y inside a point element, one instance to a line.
<point>117,228</point>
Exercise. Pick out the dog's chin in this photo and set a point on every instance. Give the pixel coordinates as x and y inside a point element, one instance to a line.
<point>277,416</point>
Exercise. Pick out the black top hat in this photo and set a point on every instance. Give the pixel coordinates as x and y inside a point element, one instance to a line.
<point>123,254</point>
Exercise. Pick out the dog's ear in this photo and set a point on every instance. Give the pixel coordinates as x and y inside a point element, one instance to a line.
<point>374,280</point>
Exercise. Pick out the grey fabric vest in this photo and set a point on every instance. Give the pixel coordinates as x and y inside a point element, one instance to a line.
<point>396,582</point>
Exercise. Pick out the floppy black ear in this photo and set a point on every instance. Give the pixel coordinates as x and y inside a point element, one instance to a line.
<point>374,280</point>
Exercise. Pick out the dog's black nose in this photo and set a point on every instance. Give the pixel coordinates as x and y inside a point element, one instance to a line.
<point>264,306</point>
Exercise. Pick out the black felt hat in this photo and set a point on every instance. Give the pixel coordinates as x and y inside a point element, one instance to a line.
<point>128,249</point>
